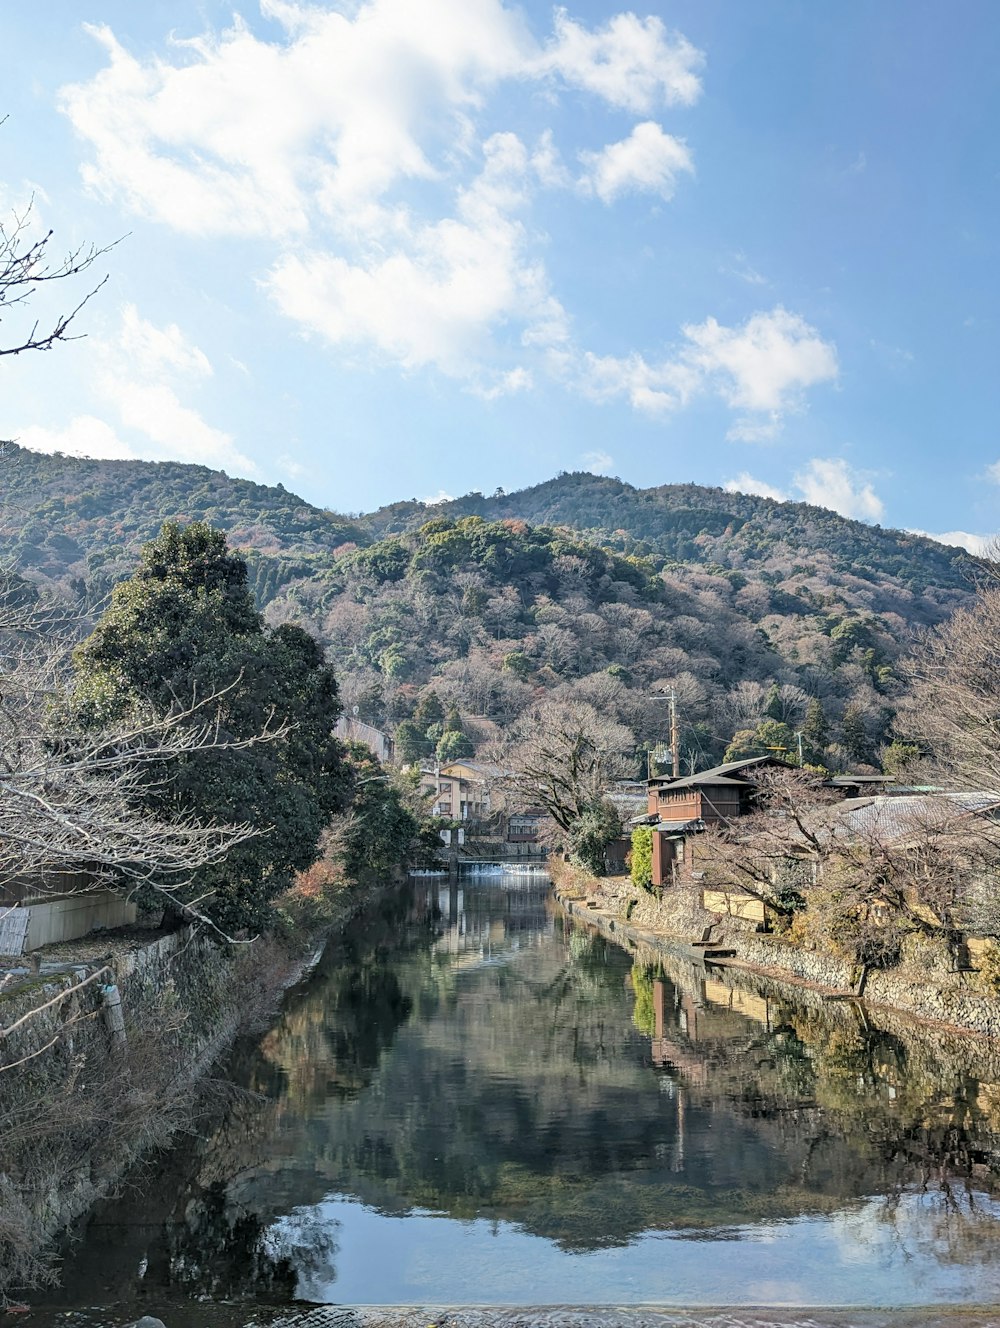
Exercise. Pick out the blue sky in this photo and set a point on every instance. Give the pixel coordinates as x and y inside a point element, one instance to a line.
<point>398,248</point>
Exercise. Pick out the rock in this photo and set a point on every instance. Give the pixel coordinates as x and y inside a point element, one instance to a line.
<point>147,1321</point>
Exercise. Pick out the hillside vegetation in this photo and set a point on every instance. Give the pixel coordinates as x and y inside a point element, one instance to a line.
<point>583,588</point>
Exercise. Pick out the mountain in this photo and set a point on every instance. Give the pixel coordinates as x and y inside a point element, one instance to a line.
<point>79,523</point>
<point>583,587</point>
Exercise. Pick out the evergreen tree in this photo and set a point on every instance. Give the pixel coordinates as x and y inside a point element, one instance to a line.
<point>854,735</point>
<point>453,720</point>
<point>815,731</point>
<point>184,628</point>
<point>773,708</point>
<point>454,746</point>
<point>429,710</point>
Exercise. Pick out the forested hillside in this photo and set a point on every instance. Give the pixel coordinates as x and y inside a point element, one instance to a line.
<point>584,587</point>
<point>80,523</point>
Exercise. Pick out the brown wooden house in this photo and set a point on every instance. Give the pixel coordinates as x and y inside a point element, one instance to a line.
<point>682,807</point>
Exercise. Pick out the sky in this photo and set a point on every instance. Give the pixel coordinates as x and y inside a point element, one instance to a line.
<point>385,249</point>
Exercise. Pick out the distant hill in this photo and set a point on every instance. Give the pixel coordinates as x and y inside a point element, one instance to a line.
<point>691,523</point>
<point>80,523</point>
<point>582,587</point>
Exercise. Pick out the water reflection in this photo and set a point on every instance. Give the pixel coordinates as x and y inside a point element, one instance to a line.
<point>474,1100</point>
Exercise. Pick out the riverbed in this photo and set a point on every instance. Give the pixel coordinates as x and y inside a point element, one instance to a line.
<point>476,1100</point>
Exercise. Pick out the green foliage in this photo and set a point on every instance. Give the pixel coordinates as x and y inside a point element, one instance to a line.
<point>773,708</point>
<point>899,757</point>
<point>381,828</point>
<point>411,743</point>
<point>590,835</point>
<point>182,629</point>
<point>644,1009</point>
<point>815,731</point>
<point>429,710</point>
<point>854,735</point>
<point>642,856</point>
<point>770,737</point>
<point>454,746</point>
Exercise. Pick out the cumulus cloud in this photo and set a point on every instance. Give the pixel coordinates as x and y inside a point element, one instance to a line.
<point>598,463</point>
<point>141,373</point>
<point>648,161</point>
<point>436,301</point>
<point>633,63</point>
<point>746,483</point>
<point>765,364</point>
<point>963,539</point>
<point>832,483</point>
<point>84,436</point>
<point>762,367</point>
<point>350,142</point>
<point>308,137</point>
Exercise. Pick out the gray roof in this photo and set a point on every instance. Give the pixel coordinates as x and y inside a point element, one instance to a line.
<point>890,819</point>
<point>718,773</point>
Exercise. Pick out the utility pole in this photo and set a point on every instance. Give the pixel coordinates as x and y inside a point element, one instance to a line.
<point>798,738</point>
<point>675,744</point>
<point>675,741</point>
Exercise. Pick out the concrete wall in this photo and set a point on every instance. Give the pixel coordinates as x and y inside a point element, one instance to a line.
<point>75,916</point>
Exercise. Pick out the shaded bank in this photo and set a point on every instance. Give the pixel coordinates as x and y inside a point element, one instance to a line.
<point>473,1096</point>
<point>926,985</point>
<point>105,1057</point>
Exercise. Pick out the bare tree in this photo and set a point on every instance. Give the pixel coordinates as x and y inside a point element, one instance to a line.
<point>953,707</point>
<point>71,799</point>
<point>562,756</point>
<point>27,267</point>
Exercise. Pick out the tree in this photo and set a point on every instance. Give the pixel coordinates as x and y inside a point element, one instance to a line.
<point>854,735</point>
<point>28,268</point>
<point>953,705</point>
<point>590,835</point>
<point>411,744</point>
<point>562,756</point>
<point>184,628</point>
<point>454,746</point>
<point>429,710</point>
<point>770,735</point>
<point>73,795</point>
<point>815,731</point>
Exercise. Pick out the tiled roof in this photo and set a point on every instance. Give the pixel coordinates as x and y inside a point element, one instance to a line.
<point>890,819</point>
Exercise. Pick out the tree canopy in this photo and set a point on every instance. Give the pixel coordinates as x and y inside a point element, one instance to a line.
<point>183,630</point>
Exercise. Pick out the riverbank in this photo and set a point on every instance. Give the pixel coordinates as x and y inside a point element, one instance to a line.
<point>107,1052</point>
<point>926,986</point>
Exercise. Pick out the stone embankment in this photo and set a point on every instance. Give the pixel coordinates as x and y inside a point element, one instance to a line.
<point>103,1044</point>
<point>926,988</point>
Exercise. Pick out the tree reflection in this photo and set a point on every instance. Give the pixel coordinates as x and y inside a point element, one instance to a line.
<point>470,1054</point>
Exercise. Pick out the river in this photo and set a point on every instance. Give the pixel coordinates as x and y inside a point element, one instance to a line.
<point>476,1100</point>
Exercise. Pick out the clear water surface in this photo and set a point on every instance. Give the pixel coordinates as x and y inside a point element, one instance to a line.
<point>476,1100</point>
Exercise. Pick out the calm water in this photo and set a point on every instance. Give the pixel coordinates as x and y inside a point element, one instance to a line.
<point>475,1101</point>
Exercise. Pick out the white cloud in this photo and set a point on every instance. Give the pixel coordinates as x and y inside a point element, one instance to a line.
<point>993,472</point>
<point>84,436</point>
<point>439,497</point>
<point>437,300</point>
<point>632,63</point>
<point>746,483</point>
<point>648,161</point>
<point>153,350</point>
<point>764,366</point>
<point>140,374</point>
<point>307,138</point>
<point>241,135</point>
<point>832,483</point>
<point>598,463</point>
<point>962,539</point>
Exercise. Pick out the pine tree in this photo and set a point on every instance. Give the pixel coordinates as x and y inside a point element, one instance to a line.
<point>815,731</point>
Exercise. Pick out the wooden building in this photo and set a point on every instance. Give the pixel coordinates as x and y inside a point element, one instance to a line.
<point>682,807</point>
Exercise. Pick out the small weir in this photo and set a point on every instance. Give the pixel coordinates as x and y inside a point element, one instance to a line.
<point>477,1100</point>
